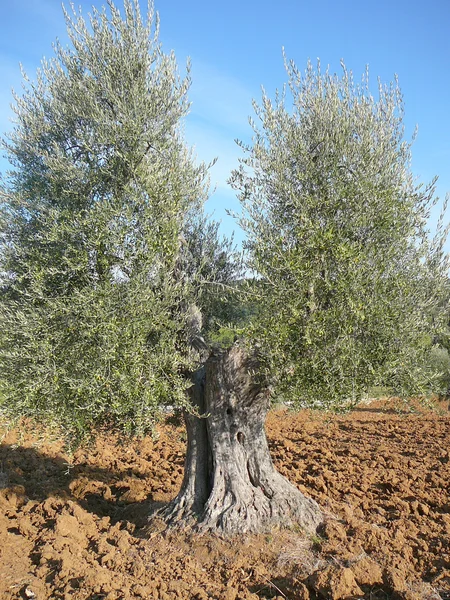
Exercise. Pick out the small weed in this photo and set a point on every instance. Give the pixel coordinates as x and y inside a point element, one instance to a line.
<point>316,540</point>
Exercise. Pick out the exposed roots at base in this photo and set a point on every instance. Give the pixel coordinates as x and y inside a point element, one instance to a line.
<point>230,484</point>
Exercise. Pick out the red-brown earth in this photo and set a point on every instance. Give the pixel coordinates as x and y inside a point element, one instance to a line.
<point>76,528</point>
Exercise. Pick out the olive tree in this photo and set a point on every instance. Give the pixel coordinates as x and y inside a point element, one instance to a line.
<point>92,327</point>
<point>348,290</point>
<point>107,268</point>
<point>112,280</point>
<point>336,223</point>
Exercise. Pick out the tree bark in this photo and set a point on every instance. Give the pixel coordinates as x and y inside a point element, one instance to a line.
<point>230,484</point>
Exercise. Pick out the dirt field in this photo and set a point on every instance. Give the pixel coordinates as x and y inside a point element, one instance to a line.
<point>76,528</point>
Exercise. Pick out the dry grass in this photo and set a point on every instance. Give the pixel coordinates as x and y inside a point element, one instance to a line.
<point>299,552</point>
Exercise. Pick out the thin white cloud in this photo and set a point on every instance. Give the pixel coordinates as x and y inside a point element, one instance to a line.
<point>221,105</point>
<point>219,98</point>
<point>208,143</point>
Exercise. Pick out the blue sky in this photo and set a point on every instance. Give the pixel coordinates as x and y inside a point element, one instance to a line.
<point>236,47</point>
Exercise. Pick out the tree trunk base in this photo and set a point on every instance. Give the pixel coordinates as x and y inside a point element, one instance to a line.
<point>230,484</point>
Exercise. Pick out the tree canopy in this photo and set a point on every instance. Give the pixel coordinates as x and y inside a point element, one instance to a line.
<point>351,283</point>
<point>107,260</point>
<point>99,214</point>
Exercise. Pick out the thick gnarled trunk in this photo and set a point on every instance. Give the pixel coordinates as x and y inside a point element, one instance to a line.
<point>230,484</point>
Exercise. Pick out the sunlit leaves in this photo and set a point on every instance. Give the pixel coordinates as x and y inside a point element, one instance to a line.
<point>91,319</point>
<point>350,283</point>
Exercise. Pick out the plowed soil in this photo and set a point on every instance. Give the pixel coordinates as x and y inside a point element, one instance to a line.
<point>75,527</point>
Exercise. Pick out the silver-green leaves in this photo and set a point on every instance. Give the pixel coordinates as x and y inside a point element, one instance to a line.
<point>92,213</point>
<point>352,287</point>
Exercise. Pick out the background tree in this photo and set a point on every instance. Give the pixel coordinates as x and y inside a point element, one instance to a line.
<point>214,267</point>
<point>439,360</point>
<point>336,225</point>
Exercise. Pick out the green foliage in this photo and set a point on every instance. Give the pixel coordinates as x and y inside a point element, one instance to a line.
<point>92,217</point>
<point>104,245</point>
<point>438,362</point>
<point>350,286</point>
<point>224,337</point>
<point>439,356</point>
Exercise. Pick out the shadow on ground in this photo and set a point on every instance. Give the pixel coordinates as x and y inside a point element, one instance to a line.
<point>130,491</point>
